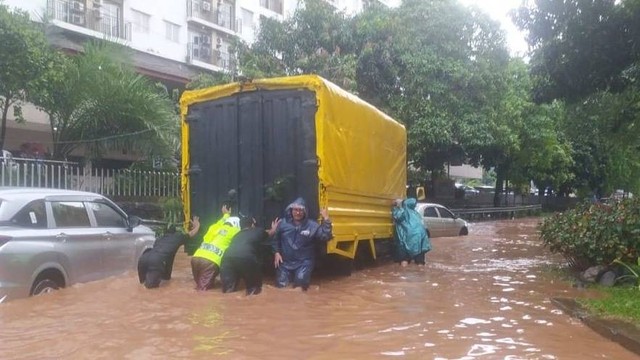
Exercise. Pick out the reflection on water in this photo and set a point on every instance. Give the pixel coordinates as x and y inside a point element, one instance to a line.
<point>484,296</point>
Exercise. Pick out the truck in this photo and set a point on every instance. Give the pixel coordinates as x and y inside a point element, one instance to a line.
<point>266,142</point>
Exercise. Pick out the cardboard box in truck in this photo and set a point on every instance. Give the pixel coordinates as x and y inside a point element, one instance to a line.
<point>270,141</point>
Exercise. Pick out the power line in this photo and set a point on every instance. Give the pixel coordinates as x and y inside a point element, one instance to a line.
<point>103,138</point>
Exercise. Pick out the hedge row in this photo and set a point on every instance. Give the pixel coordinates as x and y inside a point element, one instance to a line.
<point>595,233</point>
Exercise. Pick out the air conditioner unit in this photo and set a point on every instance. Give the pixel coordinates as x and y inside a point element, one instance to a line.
<point>77,6</point>
<point>206,6</point>
<point>77,19</point>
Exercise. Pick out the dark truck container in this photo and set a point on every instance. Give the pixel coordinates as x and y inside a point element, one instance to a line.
<point>272,140</point>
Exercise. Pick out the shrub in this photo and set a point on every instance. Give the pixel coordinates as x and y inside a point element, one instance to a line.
<point>595,233</point>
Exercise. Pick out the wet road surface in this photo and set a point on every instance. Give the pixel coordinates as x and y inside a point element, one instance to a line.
<point>483,296</point>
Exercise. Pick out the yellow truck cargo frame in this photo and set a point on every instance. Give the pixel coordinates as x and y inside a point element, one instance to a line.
<point>361,157</point>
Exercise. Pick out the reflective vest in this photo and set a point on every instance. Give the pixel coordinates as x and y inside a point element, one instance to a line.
<point>216,242</point>
<point>213,229</point>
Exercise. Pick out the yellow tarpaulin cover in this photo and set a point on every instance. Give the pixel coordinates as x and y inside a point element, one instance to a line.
<point>361,153</point>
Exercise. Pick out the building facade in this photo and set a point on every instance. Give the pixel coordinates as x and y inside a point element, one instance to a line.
<point>172,40</point>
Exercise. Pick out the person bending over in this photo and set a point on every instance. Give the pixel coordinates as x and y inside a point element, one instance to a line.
<point>157,264</point>
<point>243,259</point>
<point>205,263</point>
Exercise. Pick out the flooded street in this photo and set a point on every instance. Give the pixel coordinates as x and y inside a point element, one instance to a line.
<point>483,296</point>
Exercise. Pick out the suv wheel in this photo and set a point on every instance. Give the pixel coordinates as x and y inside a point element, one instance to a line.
<point>44,286</point>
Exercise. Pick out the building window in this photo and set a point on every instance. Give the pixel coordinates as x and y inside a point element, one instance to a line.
<point>110,19</point>
<point>172,31</point>
<point>247,22</point>
<point>141,22</point>
<point>273,5</point>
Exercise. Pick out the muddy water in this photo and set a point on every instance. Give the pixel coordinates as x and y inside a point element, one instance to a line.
<point>484,296</point>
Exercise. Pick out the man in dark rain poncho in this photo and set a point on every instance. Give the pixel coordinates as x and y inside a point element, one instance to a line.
<point>294,244</point>
<point>412,242</point>
<point>157,264</point>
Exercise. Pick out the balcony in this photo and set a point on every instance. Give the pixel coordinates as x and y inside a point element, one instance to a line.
<point>75,12</point>
<point>203,53</point>
<point>220,14</point>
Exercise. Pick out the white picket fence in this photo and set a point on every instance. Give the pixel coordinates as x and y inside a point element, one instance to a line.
<point>109,182</point>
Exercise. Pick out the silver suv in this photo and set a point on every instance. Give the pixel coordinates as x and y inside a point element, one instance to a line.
<point>52,238</point>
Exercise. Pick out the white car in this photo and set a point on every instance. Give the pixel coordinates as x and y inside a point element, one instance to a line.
<point>440,221</point>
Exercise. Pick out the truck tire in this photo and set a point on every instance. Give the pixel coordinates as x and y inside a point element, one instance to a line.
<point>335,265</point>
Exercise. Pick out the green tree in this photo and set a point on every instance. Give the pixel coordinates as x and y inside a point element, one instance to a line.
<point>313,40</point>
<point>528,143</point>
<point>580,46</point>
<point>205,80</point>
<point>587,53</point>
<point>95,100</point>
<point>440,68</point>
<point>23,60</point>
<point>607,147</point>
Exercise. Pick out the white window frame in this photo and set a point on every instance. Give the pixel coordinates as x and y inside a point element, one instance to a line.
<point>141,22</point>
<point>172,31</point>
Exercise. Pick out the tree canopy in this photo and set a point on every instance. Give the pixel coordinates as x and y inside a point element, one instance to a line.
<point>97,101</point>
<point>440,68</point>
<point>23,61</point>
<point>586,53</point>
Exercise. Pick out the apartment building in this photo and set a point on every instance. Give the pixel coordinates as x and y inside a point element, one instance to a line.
<point>172,40</point>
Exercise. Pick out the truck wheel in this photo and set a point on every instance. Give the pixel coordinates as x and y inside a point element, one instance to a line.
<point>44,285</point>
<point>464,231</point>
<point>363,258</point>
<point>336,265</point>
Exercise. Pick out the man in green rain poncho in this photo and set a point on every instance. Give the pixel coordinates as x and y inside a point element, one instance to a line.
<point>412,242</point>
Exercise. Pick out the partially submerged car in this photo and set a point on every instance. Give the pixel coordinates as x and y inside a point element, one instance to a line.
<point>53,238</point>
<point>440,221</point>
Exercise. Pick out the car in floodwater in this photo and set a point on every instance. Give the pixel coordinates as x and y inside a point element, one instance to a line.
<point>50,239</point>
<point>440,221</point>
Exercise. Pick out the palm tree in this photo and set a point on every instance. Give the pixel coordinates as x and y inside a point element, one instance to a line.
<point>96,101</point>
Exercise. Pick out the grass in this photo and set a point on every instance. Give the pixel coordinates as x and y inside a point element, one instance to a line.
<point>619,302</point>
<point>622,303</point>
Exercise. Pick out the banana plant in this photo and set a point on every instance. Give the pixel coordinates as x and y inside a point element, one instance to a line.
<point>634,270</point>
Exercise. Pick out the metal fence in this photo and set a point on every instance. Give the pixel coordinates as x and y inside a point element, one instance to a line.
<point>109,182</point>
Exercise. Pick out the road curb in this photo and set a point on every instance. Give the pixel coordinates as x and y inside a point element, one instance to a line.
<point>623,333</point>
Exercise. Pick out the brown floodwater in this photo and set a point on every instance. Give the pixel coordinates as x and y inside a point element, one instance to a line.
<point>483,296</point>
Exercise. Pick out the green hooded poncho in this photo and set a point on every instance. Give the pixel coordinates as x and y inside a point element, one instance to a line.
<point>411,235</point>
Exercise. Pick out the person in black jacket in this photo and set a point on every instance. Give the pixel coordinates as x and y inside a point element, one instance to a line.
<point>157,264</point>
<point>242,259</point>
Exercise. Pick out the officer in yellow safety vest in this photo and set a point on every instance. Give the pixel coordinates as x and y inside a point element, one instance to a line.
<point>205,263</point>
